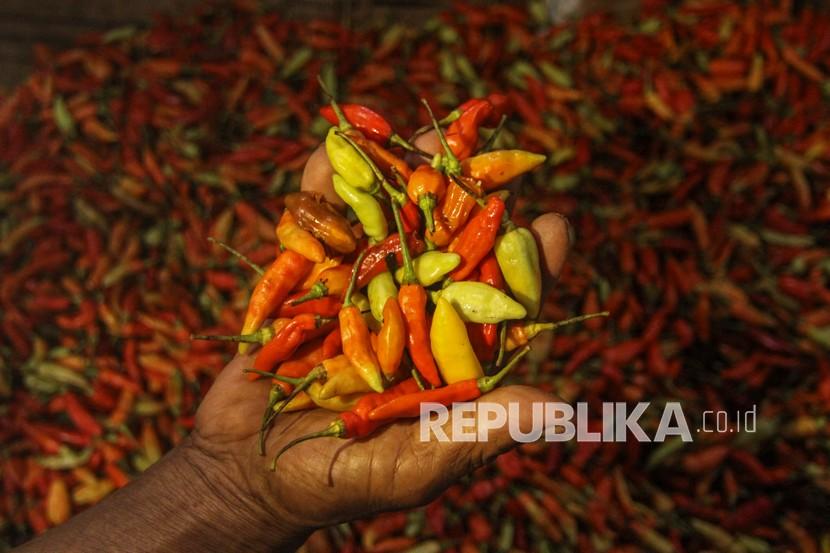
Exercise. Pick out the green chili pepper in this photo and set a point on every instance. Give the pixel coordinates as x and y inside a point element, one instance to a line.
<point>63,118</point>
<point>381,288</point>
<point>518,257</point>
<point>477,302</point>
<point>365,206</point>
<point>349,163</point>
<point>431,267</point>
<point>62,375</point>
<point>65,459</point>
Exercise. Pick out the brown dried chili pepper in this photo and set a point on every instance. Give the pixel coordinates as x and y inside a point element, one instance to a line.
<point>322,220</point>
<point>271,290</point>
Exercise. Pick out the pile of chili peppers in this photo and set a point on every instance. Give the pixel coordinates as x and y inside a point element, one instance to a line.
<point>688,146</point>
<point>429,323</point>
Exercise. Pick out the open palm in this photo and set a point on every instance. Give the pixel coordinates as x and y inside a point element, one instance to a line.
<point>325,481</point>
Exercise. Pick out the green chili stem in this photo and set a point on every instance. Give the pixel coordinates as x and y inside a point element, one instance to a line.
<point>492,140</point>
<point>396,195</point>
<point>315,374</point>
<point>266,374</point>
<point>317,291</point>
<point>253,338</point>
<point>341,117</point>
<point>260,271</point>
<point>347,299</point>
<point>502,344</point>
<point>419,379</point>
<point>533,329</point>
<point>334,430</point>
<point>274,396</point>
<point>409,276</point>
<point>487,383</point>
<point>452,164</point>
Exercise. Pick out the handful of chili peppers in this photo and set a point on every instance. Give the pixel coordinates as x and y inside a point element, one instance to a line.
<point>453,287</point>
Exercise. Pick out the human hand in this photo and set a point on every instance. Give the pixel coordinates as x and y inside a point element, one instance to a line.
<point>326,481</point>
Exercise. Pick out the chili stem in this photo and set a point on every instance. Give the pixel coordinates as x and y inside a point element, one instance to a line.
<point>347,299</point>
<point>502,344</point>
<point>535,328</point>
<point>492,140</point>
<point>253,338</point>
<point>487,383</point>
<point>396,195</point>
<point>341,117</point>
<point>333,430</point>
<point>317,291</point>
<point>260,271</point>
<point>452,164</point>
<point>266,374</point>
<point>409,276</point>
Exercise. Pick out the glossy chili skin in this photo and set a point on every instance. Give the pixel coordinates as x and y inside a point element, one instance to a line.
<point>270,291</point>
<point>478,237</point>
<point>374,262</point>
<point>364,119</point>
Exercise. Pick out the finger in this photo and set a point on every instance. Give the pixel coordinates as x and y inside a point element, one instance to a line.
<point>554,235</point>
<point>429,142</point>
<point>317,176</point>
<point>499,438</point>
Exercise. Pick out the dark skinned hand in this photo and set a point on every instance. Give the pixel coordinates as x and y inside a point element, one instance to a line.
<point>327,481</point>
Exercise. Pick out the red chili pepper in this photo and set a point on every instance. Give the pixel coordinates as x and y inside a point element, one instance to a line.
<point>81,418</point>
<point>409,405</point>
<point>374,262</point>
<point>367,121</point>
<point>355,423</point>
<point>279,279</point>
<point>477,238</point>
<point>287,340</point>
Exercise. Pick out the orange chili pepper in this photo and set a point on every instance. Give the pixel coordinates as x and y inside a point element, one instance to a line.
<point>357,345</point>
<point>383,158</point>
<point>412,299</point>
<point>299,240</point>
<point>426,187</point>
<point>391,338</point>
<point>280,277</point>
<point>286,342</point>
<point>477,238</point>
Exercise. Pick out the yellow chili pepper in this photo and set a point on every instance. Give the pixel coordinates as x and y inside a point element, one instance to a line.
<point>341,379</point>
<point>299,402</point>
<point>431,267</point>
<point>336,403</point>
<point>451,346</point>
<point>299,240</point>
<point>496,168</point>
<point>518,257</point>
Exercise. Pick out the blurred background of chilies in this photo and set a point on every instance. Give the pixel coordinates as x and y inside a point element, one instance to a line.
<point>688,143</point>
